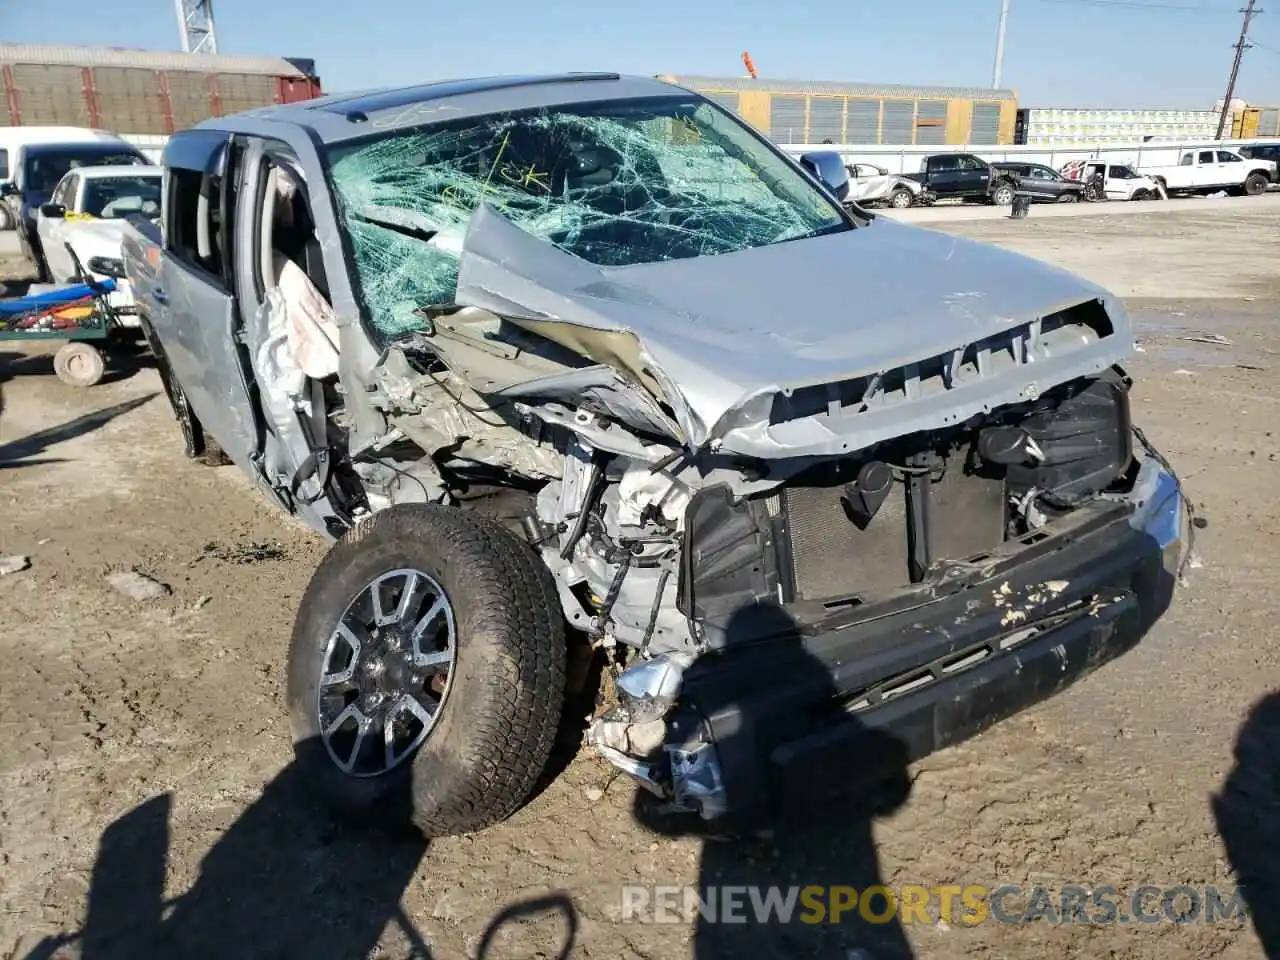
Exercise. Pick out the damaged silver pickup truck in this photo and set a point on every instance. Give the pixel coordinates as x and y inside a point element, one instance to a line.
<point>587,357</point>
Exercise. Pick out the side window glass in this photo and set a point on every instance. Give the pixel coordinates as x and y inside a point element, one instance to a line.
<point>1224,157</point>
<point>970,163</point>
<point>1186,160</point>
<point>65,193</point>
<point>943,164</point>
<point>1206,156</point>
<point>194,236</point>
<point>4,164</point>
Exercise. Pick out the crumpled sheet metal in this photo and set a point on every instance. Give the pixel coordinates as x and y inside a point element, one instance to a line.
<point>716,333</point>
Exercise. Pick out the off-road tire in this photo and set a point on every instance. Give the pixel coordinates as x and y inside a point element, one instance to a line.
<point>1002,190</point>
<point>498,723</point>
<point>900,199</point>
<point>1255,184</point>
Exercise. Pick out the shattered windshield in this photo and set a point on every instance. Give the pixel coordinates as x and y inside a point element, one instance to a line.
<point>614,183</point>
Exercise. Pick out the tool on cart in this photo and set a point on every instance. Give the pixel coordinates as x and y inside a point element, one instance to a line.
<point>79,314</point>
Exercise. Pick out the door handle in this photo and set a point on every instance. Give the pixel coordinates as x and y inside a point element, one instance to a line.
<point>159,296</point>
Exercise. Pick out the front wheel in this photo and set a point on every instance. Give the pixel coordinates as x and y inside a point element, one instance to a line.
<point>427,670</point>
<point>1069,198</point>
<point>1255,184</point>
<point>1002,195</point>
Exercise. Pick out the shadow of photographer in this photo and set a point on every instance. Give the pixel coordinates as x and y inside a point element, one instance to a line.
<point>286,879</point>
<point>813,843</point>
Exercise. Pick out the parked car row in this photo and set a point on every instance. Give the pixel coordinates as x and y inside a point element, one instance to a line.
<point>63,186</point>
<point>967,177</point>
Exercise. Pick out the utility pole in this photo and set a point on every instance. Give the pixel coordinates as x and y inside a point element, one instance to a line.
<point>1241,45</point>
<point>1004,21</point>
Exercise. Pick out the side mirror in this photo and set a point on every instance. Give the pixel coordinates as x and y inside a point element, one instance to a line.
<point>827,167</point>
<point>54,211</point>
<point>107,267</point>
<point>8,189</point>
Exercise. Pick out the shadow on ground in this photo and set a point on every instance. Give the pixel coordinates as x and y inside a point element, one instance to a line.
<point>285,880</point>
<point>813,839</point>
<point>18,452</point>
<point>1247,812</point>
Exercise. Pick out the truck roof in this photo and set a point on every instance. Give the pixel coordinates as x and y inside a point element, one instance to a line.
<point>345,116</point>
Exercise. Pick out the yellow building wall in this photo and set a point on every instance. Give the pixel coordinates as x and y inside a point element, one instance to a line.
<point>753,107</point>
<point>959,120</point>
<point>1008,117</point>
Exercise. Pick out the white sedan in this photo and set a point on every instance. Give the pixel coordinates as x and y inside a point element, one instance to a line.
<point>87,209</point>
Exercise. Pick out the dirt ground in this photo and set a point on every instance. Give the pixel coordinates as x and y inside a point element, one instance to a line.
<point>148,806</point>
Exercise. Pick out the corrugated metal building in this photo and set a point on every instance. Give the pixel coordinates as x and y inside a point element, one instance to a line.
<point>814,111</point>
<point>141,91</point>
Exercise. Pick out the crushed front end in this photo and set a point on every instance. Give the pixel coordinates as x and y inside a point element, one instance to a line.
<point>873,608</point>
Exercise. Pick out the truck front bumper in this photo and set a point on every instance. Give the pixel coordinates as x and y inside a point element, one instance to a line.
<point>763,731</point>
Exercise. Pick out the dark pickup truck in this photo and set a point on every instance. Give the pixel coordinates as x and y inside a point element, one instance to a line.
<point>963,176</point>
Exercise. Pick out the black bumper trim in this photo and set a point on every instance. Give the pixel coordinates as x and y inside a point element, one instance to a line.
<point>779,713</point>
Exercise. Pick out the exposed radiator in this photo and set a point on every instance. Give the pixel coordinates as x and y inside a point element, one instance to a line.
<point>827,556</point>
<point>831,557</point>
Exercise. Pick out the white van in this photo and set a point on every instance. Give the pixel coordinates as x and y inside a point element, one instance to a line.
<point>33,159</point>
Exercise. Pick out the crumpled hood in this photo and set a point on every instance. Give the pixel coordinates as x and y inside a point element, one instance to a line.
<point>716,331</point>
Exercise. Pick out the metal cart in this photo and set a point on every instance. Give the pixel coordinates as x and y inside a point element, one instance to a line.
<point>80,314</point>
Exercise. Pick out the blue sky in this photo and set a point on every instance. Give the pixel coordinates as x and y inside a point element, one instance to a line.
<point>1115,53</point>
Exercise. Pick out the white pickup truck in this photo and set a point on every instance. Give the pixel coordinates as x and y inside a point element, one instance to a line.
<point>1208,170</point>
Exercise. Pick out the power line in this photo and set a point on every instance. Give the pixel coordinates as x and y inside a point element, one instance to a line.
<point>1145,6</point>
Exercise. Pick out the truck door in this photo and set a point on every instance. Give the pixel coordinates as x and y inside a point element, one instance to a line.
<point>1231,170</point>
<point>1207,172</point>
<point>943,175</point>
<point>192,307</point>
<point>975,175</point>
